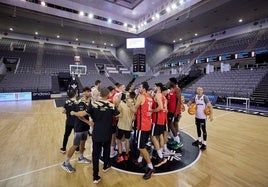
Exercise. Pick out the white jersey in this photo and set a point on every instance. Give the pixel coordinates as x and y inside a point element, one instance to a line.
<point>200,107</point>
<point>93,90</point>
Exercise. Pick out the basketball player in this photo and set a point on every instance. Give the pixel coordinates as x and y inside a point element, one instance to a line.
<point>95,91</point>
<point>174,110</point>
<point>159,120</point>
<point>70,104</point>
<point>81,131</point>
<point>102,113</point>
<point>143,108</point>
<point>124,126</point>
<point>201,102</point>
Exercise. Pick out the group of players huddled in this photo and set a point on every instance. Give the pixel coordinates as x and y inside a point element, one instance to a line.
<point>111,114</point>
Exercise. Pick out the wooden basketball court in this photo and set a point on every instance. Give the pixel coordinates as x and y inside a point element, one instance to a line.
<point>31,134</point>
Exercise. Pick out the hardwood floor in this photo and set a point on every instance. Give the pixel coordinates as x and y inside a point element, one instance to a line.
<point>31,134</point>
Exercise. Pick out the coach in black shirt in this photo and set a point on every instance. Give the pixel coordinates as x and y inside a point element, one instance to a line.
<point>101,112</point>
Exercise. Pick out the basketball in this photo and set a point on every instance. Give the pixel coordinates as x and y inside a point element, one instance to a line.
<point>207,111</point>
<point>192,109</point>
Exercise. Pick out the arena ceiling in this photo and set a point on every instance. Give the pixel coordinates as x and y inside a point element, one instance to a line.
<point>205,17</point>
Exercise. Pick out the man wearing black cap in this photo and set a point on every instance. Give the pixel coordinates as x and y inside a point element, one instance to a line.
<point>174,110</point>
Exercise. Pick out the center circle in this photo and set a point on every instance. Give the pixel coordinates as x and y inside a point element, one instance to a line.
<point>178,160</point>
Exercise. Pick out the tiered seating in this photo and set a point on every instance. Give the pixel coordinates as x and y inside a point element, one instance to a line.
<point>239,83</point>
<point>121,78</point>
<point>232,44</point>
<point>89,80</point>
<point>57,58</point>
<point>262,42</point>
<point>25,82</point>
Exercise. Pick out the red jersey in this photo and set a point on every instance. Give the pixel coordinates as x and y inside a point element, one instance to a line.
<point>111,99</point>
<point>144,120</point>
<point>160,117</point>
<point>172,101</point>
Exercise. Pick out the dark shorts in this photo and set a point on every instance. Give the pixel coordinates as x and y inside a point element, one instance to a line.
<point>80,136</point>
<point>171,116</point>
<point>120,133</point>
<point>200,121</point>
<point>157,129</point>
<point>142,138</point>
<point>114,127</point>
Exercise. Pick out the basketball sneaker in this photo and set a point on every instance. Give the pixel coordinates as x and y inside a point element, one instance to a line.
<point>126,156</point>
<point>68,167</point>
<point>83,160</point>
<point>161,161</point>
<point>107,168</point>
<point>196,143</point>
<point>62,150</point>
<point>120,159</point>
<point>148,173</point>
<point>203,147</point>
<point>96,180</point>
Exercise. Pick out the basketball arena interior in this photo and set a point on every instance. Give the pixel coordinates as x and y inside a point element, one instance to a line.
<point>218,45</point>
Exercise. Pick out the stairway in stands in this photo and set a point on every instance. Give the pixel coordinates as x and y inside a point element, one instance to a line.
<point>260,94</point>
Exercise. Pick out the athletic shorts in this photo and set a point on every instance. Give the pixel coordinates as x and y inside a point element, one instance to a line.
<point>170,117</point>
<point>114,127</point>
<point>120,133</point>
<point>157,129</point>
<point>80,136</point>
<point>200,121</point>
<point>142,138</point>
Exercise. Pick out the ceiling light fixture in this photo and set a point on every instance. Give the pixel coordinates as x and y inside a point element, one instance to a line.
<point>112,45</point>
<point>173,6</point>
<point>157,15</point>
<point>168,9</point>
<point>90,15</point>
<point>104,43</point>
<point>81,13</point>
<point>58,36</point>
<point>76,39</point>
<point>11,29</point>
<point>125,24</point>
<point>195,34</point>
<point>181,2</point>
<point>36,33</point>
<point>43,3</point>
<point>109,20</point>
<point>240,20</point>
<point>180,39</point>
<point>93,42</point>
<point>174,41</point>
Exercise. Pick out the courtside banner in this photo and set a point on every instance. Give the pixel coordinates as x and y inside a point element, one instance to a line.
<point>16,96</point>
<point>41,95</point>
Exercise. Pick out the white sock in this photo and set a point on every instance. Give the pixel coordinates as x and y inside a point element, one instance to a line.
<point>140,159</point>
<point>177,139</point>
<point>160,154</point>
<point>165,146</point>
<point>112,149</point>
<point>124,145</point>
<point>199,139</point>
<point>150,166</point>
<point>205,142</point>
